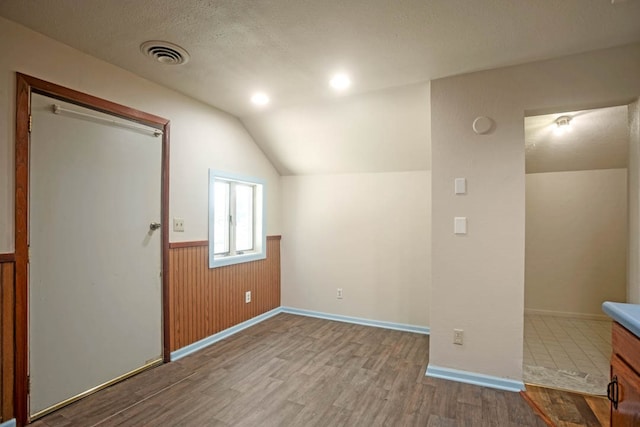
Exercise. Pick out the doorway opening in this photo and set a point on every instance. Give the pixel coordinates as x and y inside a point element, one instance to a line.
<point>576,239</point>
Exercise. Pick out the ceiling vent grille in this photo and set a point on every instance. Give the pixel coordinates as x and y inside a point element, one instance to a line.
<point>165,52</point>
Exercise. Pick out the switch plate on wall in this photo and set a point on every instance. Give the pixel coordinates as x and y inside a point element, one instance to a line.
<point>460,225</point>
<point>339,293</point>
<point>458,336</point>
<point>460,186</point>
<point>178,224</point>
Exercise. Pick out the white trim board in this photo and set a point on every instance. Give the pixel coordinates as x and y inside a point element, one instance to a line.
<point>474,378</point>
<point>10,423</point>
<point>211,339</point>
<point>358,321</point>
<point>205,342</point>
<point>588,316</point>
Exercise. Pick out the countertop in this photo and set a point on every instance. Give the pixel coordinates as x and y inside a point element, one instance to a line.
<point>628,315</point>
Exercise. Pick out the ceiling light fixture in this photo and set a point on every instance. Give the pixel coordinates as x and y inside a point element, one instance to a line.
<point>260,98</point>
<point>340,81</point>
<point>563,124</point>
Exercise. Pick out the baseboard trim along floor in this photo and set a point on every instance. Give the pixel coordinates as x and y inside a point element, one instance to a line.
<point>569,314</point>
<point>432,370</point>
<point>205,342</point>
<point>10,423</point>
<point>211,339</point>
<point>474,378</point>
<point>358,321</point>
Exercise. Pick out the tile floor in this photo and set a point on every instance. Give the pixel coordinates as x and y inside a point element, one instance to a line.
<point>568,344</point>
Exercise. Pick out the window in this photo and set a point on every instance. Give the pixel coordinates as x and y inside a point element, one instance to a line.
<point>236,219</point>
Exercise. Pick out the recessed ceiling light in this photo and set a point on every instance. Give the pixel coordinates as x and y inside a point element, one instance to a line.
<point>260,98</point>
<point>340,81</point>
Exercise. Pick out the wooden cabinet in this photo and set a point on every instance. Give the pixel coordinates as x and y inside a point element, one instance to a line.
<point>624,389</point>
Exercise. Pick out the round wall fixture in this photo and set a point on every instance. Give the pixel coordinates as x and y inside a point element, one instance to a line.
<point>165,52</point>
<point>482,125</point>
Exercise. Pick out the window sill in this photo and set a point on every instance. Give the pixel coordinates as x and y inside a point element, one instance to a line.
<point>221,261</point>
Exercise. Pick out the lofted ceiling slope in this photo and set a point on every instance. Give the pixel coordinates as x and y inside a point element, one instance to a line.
<point>597,139</point>
<point>289,49</point>
<point>381,131</point>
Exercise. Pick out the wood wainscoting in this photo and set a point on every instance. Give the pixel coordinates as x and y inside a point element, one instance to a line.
<point>7,337</point>
<point>205,301</point>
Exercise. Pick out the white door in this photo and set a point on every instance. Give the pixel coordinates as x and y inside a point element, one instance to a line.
<point>95,300</point>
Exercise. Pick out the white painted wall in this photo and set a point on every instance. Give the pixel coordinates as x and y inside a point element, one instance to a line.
<point>478,279</point>
<point>365,233</point>
<point>201,136</point>
<point>633,274</point>
<point>576,240</point>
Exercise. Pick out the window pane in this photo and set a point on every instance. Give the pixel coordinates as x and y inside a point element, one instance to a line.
<point>244,217</point>
<point>221,217</point>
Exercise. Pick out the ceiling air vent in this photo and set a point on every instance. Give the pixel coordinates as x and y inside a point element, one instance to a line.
<point>165,52</point>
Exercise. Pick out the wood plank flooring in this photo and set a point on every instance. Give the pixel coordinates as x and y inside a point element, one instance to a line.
<point>299,371</point>
<point>566,409</point>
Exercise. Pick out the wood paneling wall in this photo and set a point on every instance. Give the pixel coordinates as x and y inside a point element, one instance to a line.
<point>7,337</point>
<point>205,301</point>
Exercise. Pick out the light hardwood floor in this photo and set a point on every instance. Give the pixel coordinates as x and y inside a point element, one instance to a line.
<point>298,371</point>
<point>566,409</point>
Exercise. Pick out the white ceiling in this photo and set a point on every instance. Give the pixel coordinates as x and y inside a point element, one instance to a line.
<point>598,139</point>
<point>290,48</point>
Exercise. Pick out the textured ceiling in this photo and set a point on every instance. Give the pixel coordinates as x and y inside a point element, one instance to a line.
<point>289,49</point>
<point>599,139</point>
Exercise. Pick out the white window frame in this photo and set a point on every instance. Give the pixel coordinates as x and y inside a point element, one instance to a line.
<point>259,250</point>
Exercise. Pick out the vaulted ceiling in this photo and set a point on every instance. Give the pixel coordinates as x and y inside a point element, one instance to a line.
<point>289,49</point>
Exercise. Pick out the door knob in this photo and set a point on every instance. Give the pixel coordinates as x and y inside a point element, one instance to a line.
<point>154,226</point>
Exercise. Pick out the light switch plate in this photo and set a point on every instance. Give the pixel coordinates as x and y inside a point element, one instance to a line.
<point>460,225</point>
<point>460,185</point>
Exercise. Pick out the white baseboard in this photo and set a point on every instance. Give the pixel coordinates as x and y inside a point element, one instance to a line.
<point>358,321</point>
<point>205,342</point>
<point>474,378</point>
<point>586,316</point>
<point>10,423</point>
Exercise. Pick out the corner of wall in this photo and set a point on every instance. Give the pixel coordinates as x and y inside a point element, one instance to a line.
<point>633,188</point>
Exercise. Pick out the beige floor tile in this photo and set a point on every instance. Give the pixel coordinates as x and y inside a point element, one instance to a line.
<point>582,345</point>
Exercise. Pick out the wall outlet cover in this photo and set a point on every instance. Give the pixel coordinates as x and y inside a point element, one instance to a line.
<point>178,224</point>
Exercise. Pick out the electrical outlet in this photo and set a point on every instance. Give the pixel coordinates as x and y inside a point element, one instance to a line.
<point>458,336</point>
<point>247,297</point>
<point>339,293</point>
<point>178,224</point>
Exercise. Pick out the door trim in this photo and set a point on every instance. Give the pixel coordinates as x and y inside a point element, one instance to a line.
<point>25,85</point>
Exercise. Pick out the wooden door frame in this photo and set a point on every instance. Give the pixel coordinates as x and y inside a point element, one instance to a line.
<point>25,86</point>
